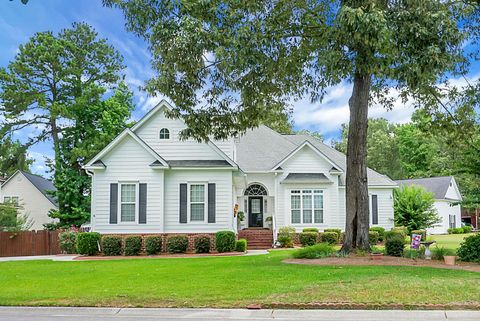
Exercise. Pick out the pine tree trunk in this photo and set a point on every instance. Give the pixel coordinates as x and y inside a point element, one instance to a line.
<point>357,216</point>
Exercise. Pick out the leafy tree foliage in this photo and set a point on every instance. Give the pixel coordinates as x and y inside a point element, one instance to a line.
<point>414,208</point>
<point>11,220</point>
<point>13,156</point>
<point>316,135</point>
<point>223,63</point>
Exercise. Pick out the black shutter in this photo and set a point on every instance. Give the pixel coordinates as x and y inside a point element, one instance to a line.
<point>183,203</point>
<point>211,202</point>
<point>113,203</point>
<point>374,209</point>
<point>142,215</point>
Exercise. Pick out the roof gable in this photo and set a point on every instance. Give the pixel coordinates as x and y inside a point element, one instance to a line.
<point>42,184</point>
<point>439,186</point>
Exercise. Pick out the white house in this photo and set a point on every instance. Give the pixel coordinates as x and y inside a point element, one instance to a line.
<point>447,197</point>
<point>147,180</point>
<point>31,193</point>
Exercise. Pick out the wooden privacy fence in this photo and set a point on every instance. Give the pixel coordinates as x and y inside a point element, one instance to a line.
<point>29,243</point>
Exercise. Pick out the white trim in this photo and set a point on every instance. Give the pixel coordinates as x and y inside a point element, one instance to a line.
<point>117,140</point>
<point>168,133</point>
<point>200,168</point>
<point>137,202</point>
<point>205,202</point>
<point>296,150</point>
<point>375,186</point>
<point>162,104</point>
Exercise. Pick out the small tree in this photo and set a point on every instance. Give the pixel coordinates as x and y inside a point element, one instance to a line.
<point>413,208</point>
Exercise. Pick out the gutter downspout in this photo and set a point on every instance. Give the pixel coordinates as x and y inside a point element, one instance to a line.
<point>274,216</point>
<point>92,216</point>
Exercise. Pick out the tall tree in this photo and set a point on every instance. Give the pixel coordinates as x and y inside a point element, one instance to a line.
<point>223,63</point>
<point>13,156</point>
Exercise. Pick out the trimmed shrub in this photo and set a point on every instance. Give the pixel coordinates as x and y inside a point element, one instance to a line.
<point>315,251</point>
<point>241,245</point>
<point>329,237</point>
<point>438,252</point>
<point>381,232</point>
<point>469,249</point>
<point>153,245</point>
<point>400,230</point>
<point>310,229</point>
<point>202,244</point>
<point>177,244</point>
<point>394,234</point>
<point>68,242</point>
<point>225,241</point>
<point>308,238</point>
<point>394,244</point>
<point>87,243</point>
<point>423,233</point>
<point>467,229</point>
<point>456,230</point>
<point>373,237</point>
<point>133,245</point>
<point>336,230</point>
<point>412,254</point>
<point>286,235</point>
<point>111,245</point>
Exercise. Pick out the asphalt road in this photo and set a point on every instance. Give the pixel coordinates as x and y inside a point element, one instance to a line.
<point>117,314</point>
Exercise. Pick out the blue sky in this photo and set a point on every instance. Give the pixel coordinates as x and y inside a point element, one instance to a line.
<point>19,22</point>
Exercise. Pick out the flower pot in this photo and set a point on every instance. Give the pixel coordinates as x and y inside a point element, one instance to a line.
<point>376,256</point>
<point>449,259</point>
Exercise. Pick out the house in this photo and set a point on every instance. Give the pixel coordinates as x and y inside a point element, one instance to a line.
<point>447,197</point>
<point>147,180</point>
<point>31,193</point>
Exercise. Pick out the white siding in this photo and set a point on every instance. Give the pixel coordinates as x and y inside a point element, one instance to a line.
<point>33,202</point>
<point>385,206</point>
<point>307,161</point>
<point>127,162</point>
<point>174,148</point>
<point>445,209</point>
<point>268,181</point>
<point>224,205</point>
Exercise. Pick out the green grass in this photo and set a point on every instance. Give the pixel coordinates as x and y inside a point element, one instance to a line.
<point>226,282</point>
<point>450,241</point>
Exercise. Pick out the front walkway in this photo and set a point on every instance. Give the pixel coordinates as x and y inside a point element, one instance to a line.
<point>115,314</point>
<point>38,257</point>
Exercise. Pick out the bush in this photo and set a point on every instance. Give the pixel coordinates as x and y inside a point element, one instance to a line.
<point>412,254</point>
<point>310,229</point>
<point>456,230</point>
<point>381,232</point>
<point>413,207</point>
<point>467,229</point>
<point>423,233</point>
<point>225,241</point>
<point>241,245</point>
<point>329,237</point>
<point>376,250</point>
<point>373,237</point>
<point>400,230</point>
<point>438,252</point>
<point>469,250</point>
<point>308,238</point>
<point>153,245</point>
<point>315,251</point>
<point>177,244</point>
<point>112,245</point>
<point>87,243</point>
<point>286,235</point>
<point>68,242</point>
<point>202,244</point>
<point>336,230</point>
<point>394,244</point>
<point>133,245</point>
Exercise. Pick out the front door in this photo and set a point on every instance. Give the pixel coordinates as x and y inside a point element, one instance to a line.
<point>255,210</point>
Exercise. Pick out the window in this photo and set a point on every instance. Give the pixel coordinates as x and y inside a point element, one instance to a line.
<point>11,199</point>
<point>128,202</point>
<point>164,133</point>
<point>197,202</point>
<point>255,190</point>
<point>452,221</point>
<point>306,206</point>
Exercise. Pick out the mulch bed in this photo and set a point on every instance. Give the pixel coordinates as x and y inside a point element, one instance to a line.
<point>161,256</point>
<point>385,261</point>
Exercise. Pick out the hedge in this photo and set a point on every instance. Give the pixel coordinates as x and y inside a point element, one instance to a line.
<point>373,237</point>
<point>225,241</point>
<point>88,242</point>
<point>336,230</point>
<point>111,245</point>
<point>177,244</point>
<point>201,244</point>
<point>381,232</point>
<point>241,245</point>
<point>153,245</point>
<point>310,229</point>
<point>329,237</point>
<point>308,238</point>
<point>133,245</point>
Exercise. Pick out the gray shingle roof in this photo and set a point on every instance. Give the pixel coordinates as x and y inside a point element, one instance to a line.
<point>199,163</point>
<point>262,148</point>
<point>436,185</point>
<point>306,178</point>
<point>42,184</point>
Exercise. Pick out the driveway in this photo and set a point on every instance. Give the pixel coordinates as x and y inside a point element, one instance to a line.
<point>116,314</point>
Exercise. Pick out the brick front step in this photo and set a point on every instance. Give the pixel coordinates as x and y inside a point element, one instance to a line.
<point>257,239</point>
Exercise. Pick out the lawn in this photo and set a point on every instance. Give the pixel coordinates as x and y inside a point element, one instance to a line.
<point>451,241</point>
<point>226,282</point>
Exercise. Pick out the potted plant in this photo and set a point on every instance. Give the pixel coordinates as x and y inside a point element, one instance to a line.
<point>269,222</point>
<point>240,219</point>
<point>449,257</point>
<point>376,253</point>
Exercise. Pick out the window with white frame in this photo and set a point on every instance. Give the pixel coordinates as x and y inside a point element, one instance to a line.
<point>164,133</point>
<point>11,199</point>
<point>128,202</point>
<point>306,206</point>
<point>197,202</point>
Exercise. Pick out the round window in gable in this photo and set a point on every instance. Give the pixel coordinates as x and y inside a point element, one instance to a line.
<point>164,133</point>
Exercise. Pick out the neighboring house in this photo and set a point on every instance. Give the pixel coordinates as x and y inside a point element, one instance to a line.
<point>30,192</point>
<point>147,180</point>
<point>447,196</point>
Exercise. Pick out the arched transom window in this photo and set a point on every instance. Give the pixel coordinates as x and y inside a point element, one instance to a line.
<point>164,133</point>
<point>255,190</point>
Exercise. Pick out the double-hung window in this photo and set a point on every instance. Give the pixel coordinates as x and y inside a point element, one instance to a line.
<point>306,206</point>
<point>197,202</point>
<point>128,202</point>
<point>11,199</point>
